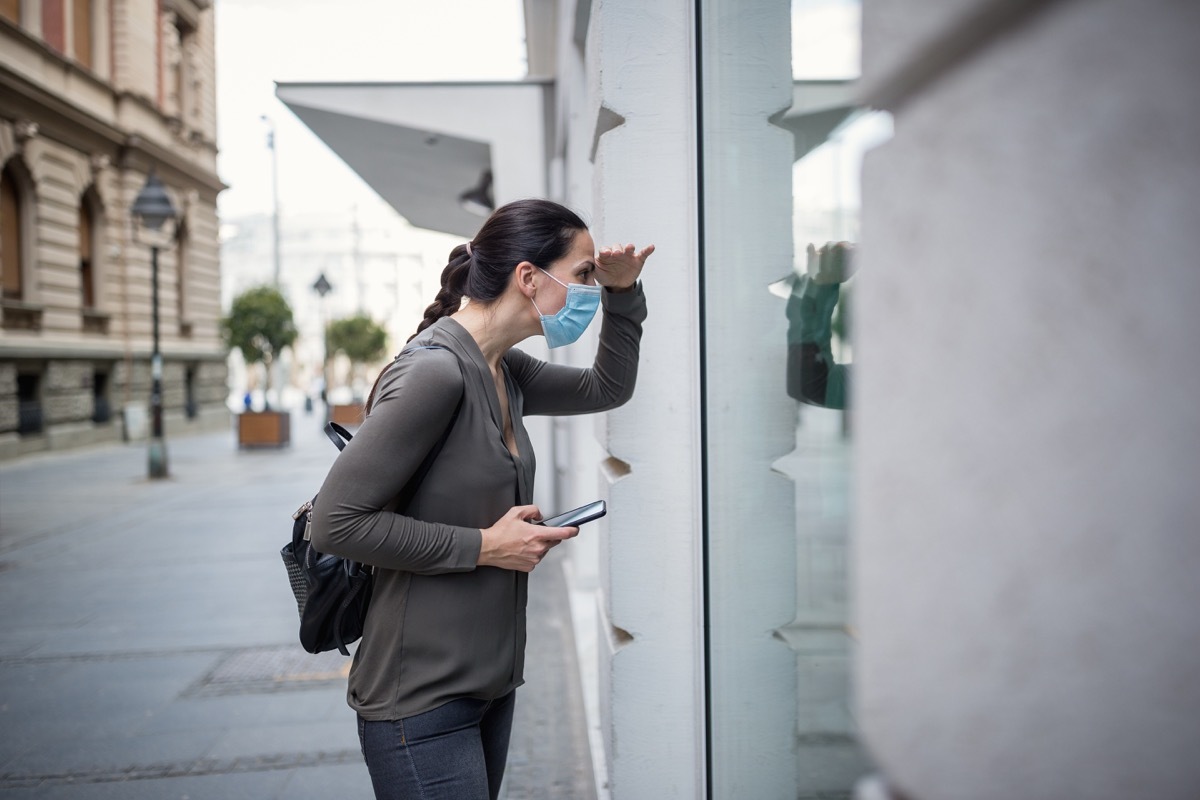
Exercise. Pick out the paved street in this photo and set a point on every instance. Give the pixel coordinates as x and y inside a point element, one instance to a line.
<point>147,642</point>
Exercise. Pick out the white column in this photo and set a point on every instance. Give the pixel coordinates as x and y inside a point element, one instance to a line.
<point>651,644</point>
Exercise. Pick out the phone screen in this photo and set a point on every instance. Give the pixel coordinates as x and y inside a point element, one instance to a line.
<point>577,516</point>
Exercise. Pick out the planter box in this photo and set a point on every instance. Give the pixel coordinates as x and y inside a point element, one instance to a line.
<point>348,414</point>
<point>264,429</point>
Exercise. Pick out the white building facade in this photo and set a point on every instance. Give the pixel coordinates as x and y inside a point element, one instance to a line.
<point>953,546</point>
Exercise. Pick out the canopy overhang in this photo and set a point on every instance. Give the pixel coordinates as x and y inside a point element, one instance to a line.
<point>422,145</point>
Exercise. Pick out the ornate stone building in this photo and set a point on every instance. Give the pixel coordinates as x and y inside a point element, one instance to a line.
<point>93,95</point>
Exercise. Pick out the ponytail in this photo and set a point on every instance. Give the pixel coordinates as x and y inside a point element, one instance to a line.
<point>449,297</point>
<point>448,300</point>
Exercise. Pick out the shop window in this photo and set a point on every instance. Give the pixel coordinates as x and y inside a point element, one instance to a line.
<point>29,404</point>
<point>778,247</point>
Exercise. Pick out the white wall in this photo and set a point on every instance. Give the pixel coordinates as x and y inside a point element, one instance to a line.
<point>639,70</point>
<point>1028,424</point>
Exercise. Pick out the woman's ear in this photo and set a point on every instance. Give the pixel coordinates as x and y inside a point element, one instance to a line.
<point>523,275</point>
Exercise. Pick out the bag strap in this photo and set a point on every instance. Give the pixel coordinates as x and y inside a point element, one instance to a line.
<point>340,437</point>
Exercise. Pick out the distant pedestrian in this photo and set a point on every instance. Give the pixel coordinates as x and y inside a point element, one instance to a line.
<point>434,677</point>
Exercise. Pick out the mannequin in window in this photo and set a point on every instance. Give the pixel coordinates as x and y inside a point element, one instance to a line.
<point>813,377</point>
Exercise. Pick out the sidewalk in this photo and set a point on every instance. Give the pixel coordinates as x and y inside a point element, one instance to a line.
<point>148,647</point>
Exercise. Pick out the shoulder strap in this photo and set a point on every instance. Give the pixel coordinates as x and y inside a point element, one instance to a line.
<point>340,436</point>
<point>337,434</point>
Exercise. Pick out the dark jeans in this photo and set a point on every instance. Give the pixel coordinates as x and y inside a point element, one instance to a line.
<point>454,752</point>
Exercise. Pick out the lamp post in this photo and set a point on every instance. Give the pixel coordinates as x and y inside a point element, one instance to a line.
<point>322,287</point>
<point>152,208</point>
<point>274,195</point>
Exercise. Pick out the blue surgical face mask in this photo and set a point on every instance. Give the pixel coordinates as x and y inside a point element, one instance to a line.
<point>569,323</point>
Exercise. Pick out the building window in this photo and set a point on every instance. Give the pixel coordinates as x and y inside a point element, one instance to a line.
<point>29,403</point>
<point>12,256</point>
<point>180,73</point>
<point>54,24</point>
<point>190,406</point>
<point>91,262</point>
<point>101,409</point>
<point>87,268</point>
<point>182,252</point>
<point>11,10</point>
<point>81,24</point>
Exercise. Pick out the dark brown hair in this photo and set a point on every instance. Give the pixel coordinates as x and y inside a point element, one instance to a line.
<point>537,231</point>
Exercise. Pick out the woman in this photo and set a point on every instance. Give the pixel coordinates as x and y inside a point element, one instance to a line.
<point>442,654</point>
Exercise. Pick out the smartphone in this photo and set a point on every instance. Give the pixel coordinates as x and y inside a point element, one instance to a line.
<point>576,516</point>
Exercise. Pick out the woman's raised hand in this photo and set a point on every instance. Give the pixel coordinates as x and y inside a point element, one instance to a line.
<point>618,267</point>
<point>517,544</point>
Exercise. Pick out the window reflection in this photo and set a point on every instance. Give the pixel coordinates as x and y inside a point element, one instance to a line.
<point>778,433</point>
<point>815,317</point>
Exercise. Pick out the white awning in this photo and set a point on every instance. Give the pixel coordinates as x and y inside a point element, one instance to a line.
<point>422,145</point>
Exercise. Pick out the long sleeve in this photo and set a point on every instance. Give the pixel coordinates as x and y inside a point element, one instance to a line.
<point>352,516</point>
<point>608,383</point>
<point>812,375</point>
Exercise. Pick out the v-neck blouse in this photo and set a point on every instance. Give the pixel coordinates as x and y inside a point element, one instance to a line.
<point>439,627</point>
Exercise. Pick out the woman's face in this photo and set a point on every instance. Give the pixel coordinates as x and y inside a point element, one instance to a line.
<point>577,266</point>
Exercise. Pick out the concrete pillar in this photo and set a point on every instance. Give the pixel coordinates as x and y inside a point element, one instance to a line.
<point>651,644</point>
<point>1028,419</point>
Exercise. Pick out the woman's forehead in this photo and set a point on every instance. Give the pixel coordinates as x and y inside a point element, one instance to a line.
<point>583,244</point>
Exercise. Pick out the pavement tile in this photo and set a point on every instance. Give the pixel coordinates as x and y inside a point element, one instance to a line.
<point>236,786</point>
<point>313,737</point>
<point>112,753</point>
<point>234,711</point>
<point>346,781</point>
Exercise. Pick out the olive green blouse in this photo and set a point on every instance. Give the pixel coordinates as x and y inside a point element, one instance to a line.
<point>440,627</point>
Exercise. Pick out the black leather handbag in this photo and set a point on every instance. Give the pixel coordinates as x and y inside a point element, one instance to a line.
<point>333,593</point>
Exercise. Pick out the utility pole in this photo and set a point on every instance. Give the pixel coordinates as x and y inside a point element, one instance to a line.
<point>358,260</point>
<point>274,195</point>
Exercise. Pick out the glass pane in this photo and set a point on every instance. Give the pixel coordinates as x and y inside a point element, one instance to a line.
<point>781,212</point>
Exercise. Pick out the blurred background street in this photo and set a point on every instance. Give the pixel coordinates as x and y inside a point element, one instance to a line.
<point>149,647</point>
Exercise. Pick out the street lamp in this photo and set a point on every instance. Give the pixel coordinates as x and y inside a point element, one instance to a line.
<point>274,193</point>
<point>322,287</point>
<point>152,208</point>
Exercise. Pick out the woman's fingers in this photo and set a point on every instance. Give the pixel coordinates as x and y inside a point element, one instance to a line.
<point>621,265</point>
<point>516,543</point>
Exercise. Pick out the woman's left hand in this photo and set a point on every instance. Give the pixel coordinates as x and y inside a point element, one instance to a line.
<point>618,267</point>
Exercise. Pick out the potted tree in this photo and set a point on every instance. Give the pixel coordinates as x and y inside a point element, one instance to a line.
<point>362,340</point>
<point>260,324</point>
